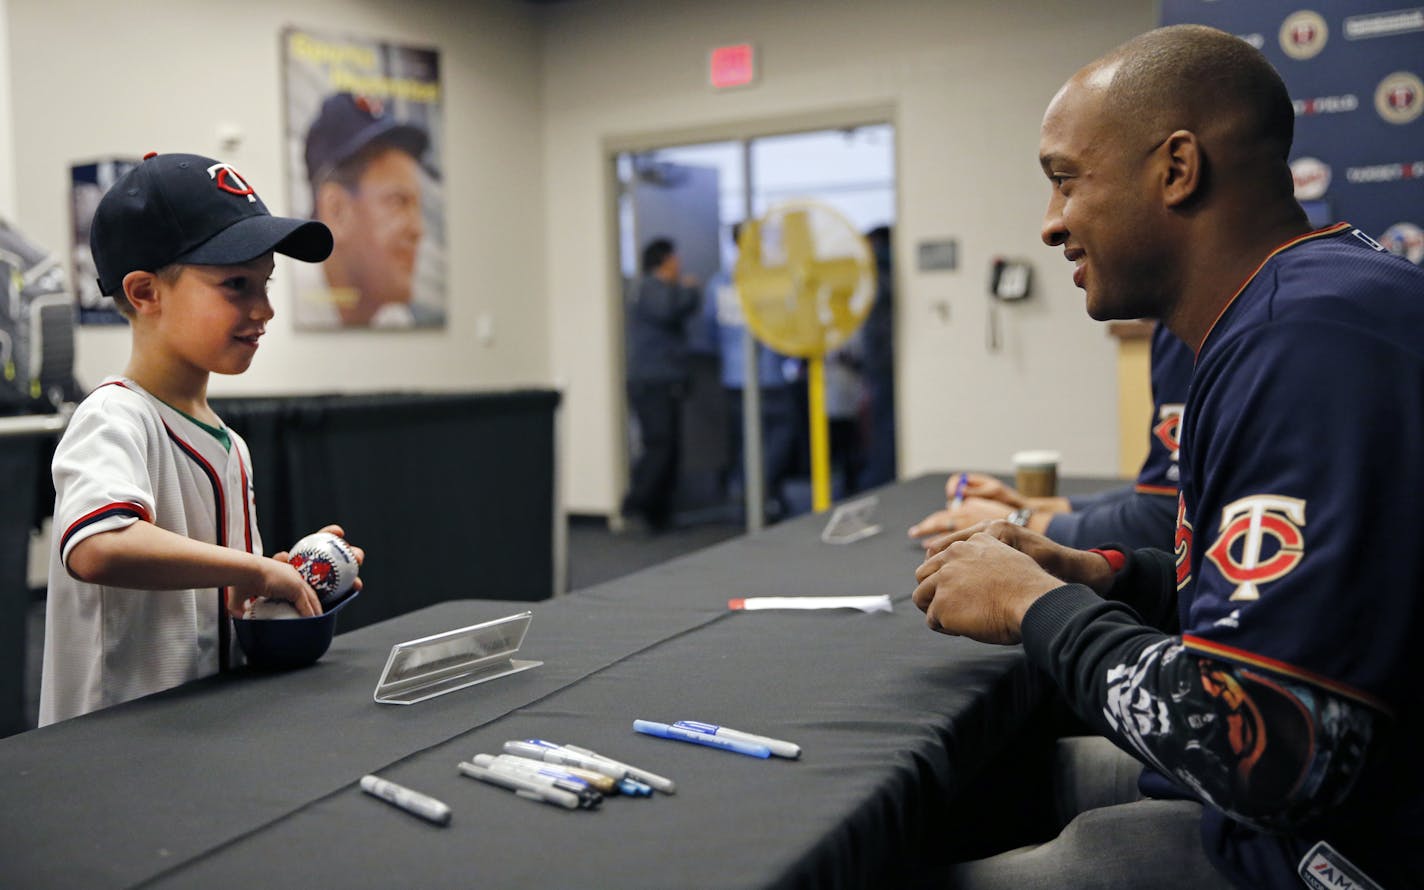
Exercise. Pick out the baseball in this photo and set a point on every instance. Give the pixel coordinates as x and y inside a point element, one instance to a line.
<point>327,563</point>
<point>260,607</point>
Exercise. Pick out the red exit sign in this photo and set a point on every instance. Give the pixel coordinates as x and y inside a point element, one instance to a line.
<point>732,66</point>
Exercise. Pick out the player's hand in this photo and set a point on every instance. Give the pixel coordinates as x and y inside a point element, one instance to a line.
<point>276,580</point>
<point>1065,563</point>
<point>936,524</point>
<point>971,511</point>
<point>978,485</point>
<point>980,587</point>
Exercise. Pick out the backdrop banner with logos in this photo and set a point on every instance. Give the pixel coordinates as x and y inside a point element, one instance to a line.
<point>1355,69</point>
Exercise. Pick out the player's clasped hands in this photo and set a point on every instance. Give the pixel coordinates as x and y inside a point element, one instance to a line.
<point>979,582</point>
<point>278,580</point>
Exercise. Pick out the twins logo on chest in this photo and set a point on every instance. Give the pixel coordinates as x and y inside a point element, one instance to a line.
<point>1259,540</point>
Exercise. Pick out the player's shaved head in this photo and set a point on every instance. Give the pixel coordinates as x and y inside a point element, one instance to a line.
<point>1168,160</point>
<point>1191,77</point>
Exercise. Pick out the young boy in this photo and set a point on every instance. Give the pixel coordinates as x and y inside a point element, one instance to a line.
<point>156,538</point>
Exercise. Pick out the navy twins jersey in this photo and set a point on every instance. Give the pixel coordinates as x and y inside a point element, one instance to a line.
<point>1300,543</point>
<point>1171,373</point>
<point>1139,515</point>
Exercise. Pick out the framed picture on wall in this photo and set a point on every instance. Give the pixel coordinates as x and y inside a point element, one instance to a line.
<point>88,182</point>
<point>363,136</point>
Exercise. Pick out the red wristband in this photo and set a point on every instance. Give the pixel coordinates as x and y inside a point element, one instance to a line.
<point>1116,559</point>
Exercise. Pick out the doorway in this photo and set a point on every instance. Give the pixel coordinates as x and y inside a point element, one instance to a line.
<point>694,195</point>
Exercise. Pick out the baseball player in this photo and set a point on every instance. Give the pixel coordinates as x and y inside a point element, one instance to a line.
<point>1143,514</point>
<point>1267,672</point>
<point>156,537</point>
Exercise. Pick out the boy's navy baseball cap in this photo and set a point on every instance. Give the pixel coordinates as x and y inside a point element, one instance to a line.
<point>180,208</point>
<point>348,123</point>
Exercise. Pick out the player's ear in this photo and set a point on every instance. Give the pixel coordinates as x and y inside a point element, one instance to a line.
<point>141,289</point>
<point>1183,172</point>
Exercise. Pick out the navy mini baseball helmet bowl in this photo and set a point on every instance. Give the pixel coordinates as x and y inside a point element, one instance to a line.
<point>283,643</point>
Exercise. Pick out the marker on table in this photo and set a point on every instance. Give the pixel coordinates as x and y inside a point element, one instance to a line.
<point>538,749</point>
<point>958,500</point>
<point>525,788</point>
<point>664,731</point>
<point>778,747</point>
<point>589,797</point>
<point>597,781</point>
<point>412,802</point>
<point>653,780</point>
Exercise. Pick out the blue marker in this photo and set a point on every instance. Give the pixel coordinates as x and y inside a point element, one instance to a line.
<point>958,500</point>
<point>777,746</point>
<point>663,731</point>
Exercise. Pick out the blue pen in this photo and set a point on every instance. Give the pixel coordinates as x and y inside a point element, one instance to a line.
<point>958,499</point>
<point>663,731</point>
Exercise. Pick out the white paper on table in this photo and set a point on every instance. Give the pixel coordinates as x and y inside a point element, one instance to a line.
<point>863,603</point>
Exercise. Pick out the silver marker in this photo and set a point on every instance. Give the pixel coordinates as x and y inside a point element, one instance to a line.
<point>538,749</point>
<point>412,802</point>
<point>525,788</point>
<point>574,781</point>
<point>665,785</point>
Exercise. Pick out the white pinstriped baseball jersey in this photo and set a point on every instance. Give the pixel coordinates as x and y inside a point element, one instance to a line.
<point>128,457</point>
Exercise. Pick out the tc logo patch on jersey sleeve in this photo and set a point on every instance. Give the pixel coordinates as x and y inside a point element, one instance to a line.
<point>1168,428</point>
<point>1183,544</point>
<point>1260,540</point>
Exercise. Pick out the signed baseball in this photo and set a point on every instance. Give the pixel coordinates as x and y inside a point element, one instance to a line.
<point>327,563</point>
<point>260,607</point>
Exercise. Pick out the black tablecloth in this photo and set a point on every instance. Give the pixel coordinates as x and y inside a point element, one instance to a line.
<point>250,779</point>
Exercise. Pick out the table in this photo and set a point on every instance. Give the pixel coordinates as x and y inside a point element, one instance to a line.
<point>250,779</point>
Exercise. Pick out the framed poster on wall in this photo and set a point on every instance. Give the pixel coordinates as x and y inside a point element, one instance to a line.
<point>88,182</point>
<point>363,136</point>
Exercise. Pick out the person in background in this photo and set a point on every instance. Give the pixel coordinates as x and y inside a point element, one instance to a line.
<point>1143,514</point>
<point>845,396</point>
<point>878,367</point>
<point>657,381</point>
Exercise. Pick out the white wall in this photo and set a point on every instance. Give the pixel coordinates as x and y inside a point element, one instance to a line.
<point>967,82</point>
<point>96,79</point>
<point>7,138</point>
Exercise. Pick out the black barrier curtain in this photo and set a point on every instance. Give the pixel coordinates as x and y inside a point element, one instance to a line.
<point>459,486</point>
<point>21,461</point>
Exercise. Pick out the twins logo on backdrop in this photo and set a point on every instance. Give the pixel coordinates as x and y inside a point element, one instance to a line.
<point>1259,540</point>
<point>1399,98</point>
<point>1303,34</point>
<point>1405,239</point>
<point>227,179</point>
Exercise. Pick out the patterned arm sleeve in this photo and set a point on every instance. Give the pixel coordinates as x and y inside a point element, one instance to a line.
<point>1269,749</point>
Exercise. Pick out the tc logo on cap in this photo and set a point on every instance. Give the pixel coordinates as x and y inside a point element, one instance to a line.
<point>230,181</point>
